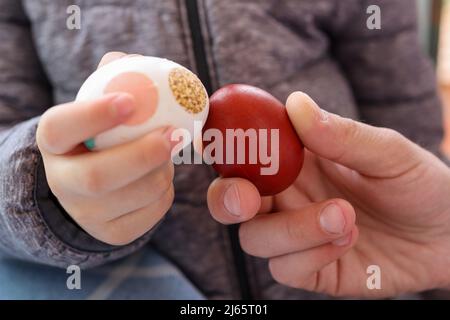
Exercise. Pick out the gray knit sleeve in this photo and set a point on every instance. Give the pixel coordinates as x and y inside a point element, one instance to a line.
<point>33,226</point>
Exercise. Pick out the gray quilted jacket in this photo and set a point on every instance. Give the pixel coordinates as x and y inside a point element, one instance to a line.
<point>322,47</point>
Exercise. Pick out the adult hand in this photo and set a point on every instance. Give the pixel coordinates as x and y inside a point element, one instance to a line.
<point>365,196</point>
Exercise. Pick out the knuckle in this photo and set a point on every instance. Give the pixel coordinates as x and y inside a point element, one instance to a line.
<point>46,138</point>
<point>157,153</point>
<point>89,213</point>
<point>392,135</point>
<point>80,214</point>
<point>350,130</point>
<point>168,199</point>
<point>293,232</point>
<point>277,273</point>
<point>156,212</point>
<point>171,195</point>
<point>55,186</point>
<point>164,179</point>
<point>170,172</point>
<point>56,172</point>
<point>114,234</point>
<point>113,54</point>
<point>121,239</point>
<point>96,112</point>
<point>246,242</point>
<point>147,156</point>
<point>346,135</point>
<point>92,182</point>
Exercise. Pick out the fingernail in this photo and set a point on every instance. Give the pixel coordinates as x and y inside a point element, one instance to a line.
<point>304,112</point>
<point>232,201</point>
<point>122,105</point>
<point>332,219</point>
<point>343,241</point>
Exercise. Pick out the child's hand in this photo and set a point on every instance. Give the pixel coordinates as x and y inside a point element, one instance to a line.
<point>117,194</point>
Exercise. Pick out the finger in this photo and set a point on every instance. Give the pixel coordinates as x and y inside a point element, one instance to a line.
<point>98,173</point>
<point>63,127</point>
<point>283,233</point>
<point>348,142</point>
<point>129,227</point>
<point>110,57</point>
<point>266,204</point>
<point>295,197</point>
<point>138,194</point>
<point>300,269</point>
<point>233,200</point>
<point>198,144</point>
<point>115,55</point>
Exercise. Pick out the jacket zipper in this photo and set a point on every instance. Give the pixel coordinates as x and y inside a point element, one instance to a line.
<point>204,75</point>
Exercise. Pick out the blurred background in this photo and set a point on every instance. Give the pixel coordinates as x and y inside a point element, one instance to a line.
<point>434,21</point>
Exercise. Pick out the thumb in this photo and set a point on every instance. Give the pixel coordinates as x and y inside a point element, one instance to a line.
<point>372,151</point>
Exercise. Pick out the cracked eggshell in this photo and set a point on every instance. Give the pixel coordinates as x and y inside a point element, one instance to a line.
<point>166,94</point>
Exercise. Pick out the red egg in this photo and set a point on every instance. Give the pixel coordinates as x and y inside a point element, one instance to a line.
<point>256,134</point>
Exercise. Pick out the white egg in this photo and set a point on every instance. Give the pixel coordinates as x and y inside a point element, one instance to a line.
<point>166,94</point>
